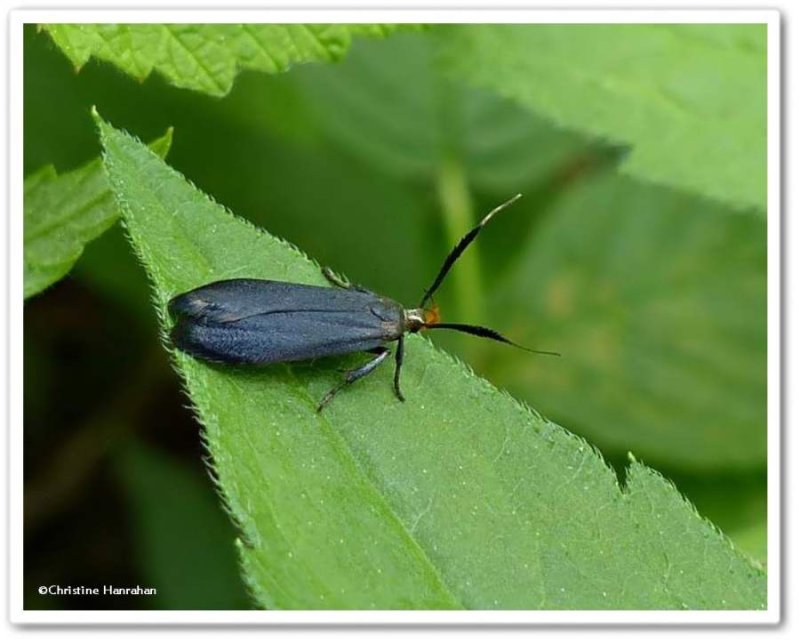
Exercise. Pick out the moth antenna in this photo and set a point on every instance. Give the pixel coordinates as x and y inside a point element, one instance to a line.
<point>462,245</point>
<point>488,333</point>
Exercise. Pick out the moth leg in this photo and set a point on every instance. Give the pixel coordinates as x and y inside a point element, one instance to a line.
<point>375,351</point>
<point>332,278</point>
<point>355,375</point>
<point>341,283</point>
<point>398,361</point>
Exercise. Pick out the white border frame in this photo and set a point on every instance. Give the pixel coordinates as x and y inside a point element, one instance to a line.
<point>17,614</point>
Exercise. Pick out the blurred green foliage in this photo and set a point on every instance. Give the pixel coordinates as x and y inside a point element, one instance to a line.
<point>176,525</point>
<point>374,166</point>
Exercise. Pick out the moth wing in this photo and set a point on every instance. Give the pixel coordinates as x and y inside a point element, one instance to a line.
<point>283,336</point>
<point>237,299</point>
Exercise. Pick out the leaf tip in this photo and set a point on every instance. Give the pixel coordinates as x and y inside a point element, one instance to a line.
<point>95,114</point>
<point>102,126</point>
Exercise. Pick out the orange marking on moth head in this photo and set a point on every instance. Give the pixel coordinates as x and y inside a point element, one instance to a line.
<point>432,315</point>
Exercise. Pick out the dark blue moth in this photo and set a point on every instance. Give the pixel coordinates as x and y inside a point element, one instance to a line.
<point>258,321</point>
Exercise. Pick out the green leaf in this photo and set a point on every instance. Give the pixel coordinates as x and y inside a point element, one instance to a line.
<point>657,301</point>
<point>183,540</point>
<point>62,213</point>
<point>206,58</point>
<point>691,99</point>
<point>461,497</point>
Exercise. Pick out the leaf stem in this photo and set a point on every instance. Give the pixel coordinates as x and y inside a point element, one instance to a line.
<point>458,215</point>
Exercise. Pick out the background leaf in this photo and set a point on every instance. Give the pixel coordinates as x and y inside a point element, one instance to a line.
<point>62,214</point>
<point>206,58</point>
<point>691,99</point>
<point>658,302</point>
<point>458,498</point>
<point>365,105</point>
